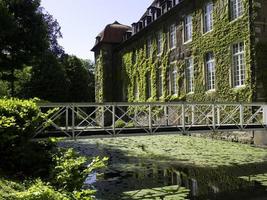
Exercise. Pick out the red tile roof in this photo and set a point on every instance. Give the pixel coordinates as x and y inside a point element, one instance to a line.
<point>113,33</point>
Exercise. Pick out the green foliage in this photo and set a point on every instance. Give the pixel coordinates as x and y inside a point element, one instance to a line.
<point>136,65</point>
<point>121,124</point>
<point>24,159</point>
<point>7,188</point>
<point>84,195</point>
<point>67,175</point>
<point>49,80</point>
<point>18,122</point>
<point>31,60</point>
<point>39,191</point>
<point>81,80</point>
<point>70,170</point>
<point>99,78</point>
<point>25,34</point>
<point>18,119</point>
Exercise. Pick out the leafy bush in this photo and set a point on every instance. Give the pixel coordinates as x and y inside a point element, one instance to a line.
<point>7,188</point>
<point>63,170</point>
<point>19,155</point>
<point>18,119</point>
<point>71,171</point>
<point>39,191</point>
<point>121,124</point>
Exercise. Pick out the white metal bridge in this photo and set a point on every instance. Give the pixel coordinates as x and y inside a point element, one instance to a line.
<point>76,119</point>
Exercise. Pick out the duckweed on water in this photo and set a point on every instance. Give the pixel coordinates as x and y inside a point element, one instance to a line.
<point>148,166</point>
<point>185,150</point>
<point>174,192</point>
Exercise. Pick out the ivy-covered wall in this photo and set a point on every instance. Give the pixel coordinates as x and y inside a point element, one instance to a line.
<point>218,41</point>
<point>133,66</point>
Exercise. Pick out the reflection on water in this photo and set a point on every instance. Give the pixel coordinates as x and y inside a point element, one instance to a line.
<point>149,181</point>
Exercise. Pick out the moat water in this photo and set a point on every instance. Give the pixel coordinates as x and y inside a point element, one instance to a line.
<point>177,168</point>
<point>148,181</point>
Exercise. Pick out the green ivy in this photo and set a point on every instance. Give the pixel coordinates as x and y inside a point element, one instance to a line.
<point>219,41</point>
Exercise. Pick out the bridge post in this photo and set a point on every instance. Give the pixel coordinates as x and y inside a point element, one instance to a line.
<point>67,119</point>
<point>113,119</point>
<point>103,117</point>
<point>193,114</point>
<point>73,122</point>
<point>150,119</point>
<point>213,117</point>
<point>265,115</point>
<point>218,115</point>
<point>183,117</point>
<point>241,110</point>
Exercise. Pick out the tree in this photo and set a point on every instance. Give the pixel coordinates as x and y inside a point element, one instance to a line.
<point>81,80</point>
<point>49,81</point>
<point>26,33</point>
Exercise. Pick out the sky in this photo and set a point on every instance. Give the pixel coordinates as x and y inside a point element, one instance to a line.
<point>82,20</point>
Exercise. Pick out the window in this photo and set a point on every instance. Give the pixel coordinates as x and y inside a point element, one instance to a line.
<point>160,85</point>
<point>174,86</point>
<point>160,42</point>
<point>148,85</point>
<point>172,80</point>
<point>236,8</point>
<point>188,28</point>
<point>136,90</point>
<point>169,84</point>
<point>189,75</point>
<point>164,8</point>
<point>208,17</point>
<point>175,2</point>
<point>238,64</point>
<point>149,47</point>
<point>210,71</point>
<point>172,36</point>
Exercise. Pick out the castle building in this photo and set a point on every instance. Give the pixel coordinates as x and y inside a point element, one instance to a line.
<point>186,50</point>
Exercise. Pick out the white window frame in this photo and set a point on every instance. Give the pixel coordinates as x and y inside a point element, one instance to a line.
<point>238,64</point>
<point>174,79</point>
<point>160,42</point>
<point>210,71</point>
<point>208,17</point>
<point>189,72</point>
<point>236,8</point>
<point>172,37</point>
<point>160,82</point>
<point>188,28</point>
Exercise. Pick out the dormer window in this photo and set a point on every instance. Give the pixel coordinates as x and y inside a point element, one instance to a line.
<point>164,8</point>
<point>98,38</point>
<point>140,25</point>
<point>175,2</point>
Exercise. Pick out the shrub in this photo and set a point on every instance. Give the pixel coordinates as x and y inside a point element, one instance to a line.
<point>39,191</point>
<point>23,158</point>
<point>19,119</point>
<point>18,122</point>
<point>7,188</point>
<point>71,171</point>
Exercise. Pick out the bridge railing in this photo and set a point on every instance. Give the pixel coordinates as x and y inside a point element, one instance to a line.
<point>74,119</point>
